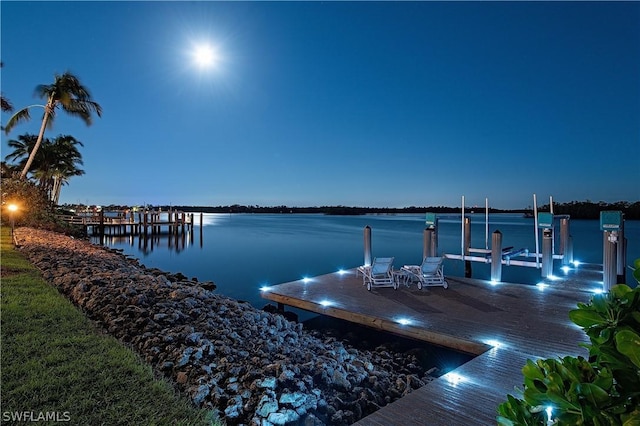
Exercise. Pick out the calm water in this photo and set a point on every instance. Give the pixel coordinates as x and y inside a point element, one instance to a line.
<point>242,252</point>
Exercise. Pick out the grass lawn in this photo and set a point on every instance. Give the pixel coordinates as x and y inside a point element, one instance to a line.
<point>55,363</point>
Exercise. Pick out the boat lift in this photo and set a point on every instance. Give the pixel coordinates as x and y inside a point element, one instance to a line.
<point>509,256</point>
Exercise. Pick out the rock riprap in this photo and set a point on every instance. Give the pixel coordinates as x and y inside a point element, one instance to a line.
<point>254,367</point>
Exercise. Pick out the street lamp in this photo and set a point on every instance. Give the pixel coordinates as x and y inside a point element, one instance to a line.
<point>13,208</point>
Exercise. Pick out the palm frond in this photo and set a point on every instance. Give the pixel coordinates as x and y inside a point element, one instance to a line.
<point>5,104</point>
<point>22,115</point>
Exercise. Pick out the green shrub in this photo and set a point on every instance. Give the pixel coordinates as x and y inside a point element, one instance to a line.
<point>33,206</point>
<point>34,209</point>
<point>603,390</point>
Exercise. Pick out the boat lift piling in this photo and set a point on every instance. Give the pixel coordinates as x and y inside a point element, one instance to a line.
<point>614,248</point>
<point>430,236</point>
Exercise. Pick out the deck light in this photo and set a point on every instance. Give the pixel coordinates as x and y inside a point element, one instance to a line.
<point>403,321</point>
<point>542,286</point>
<point>341,271</point>
<point>494,343</point>
<point>306,280</point>
<point>549,411</point>
<point>576,263</point>
<point>454,378</point>
<point>326,302</point>
<point>494,282</point>
<point>597,291</point>
<point>265,288</point>
<point>566,269</point>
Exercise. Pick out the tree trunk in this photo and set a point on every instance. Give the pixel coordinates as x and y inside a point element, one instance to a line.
<point>55,194</point>
<point>32,155</point>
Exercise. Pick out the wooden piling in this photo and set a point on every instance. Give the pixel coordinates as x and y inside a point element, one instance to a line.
<point>496,256</point>
<point>367,245</point>
<point>467,245</point>
<point>547,252</point>
<point>609,260</point>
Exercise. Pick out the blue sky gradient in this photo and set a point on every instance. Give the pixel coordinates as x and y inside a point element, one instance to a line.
<point>354,103</point>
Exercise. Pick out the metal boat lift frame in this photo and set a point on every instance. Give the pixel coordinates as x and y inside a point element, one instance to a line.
<point>497,256</point>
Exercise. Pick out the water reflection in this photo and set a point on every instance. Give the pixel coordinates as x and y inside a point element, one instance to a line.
<point>146,243</point>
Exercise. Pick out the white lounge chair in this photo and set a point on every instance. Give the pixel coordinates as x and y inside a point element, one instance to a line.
<point>380,273</point>
<point>429,274</point>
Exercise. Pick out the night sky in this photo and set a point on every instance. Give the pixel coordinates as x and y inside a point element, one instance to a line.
<point>338,103</point>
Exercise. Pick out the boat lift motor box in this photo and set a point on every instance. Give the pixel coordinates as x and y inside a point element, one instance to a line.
<point>611,220</point>
<point>545,220</point>
<point>430,220</point>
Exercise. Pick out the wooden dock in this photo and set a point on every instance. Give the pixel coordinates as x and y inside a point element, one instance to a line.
<point>502,324</point>
<point>128,222</point>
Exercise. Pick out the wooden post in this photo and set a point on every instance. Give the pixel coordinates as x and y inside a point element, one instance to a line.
<point>609,260</point>
<point>201,239</point>
<point>565,241</point>
<point>547,252</point>
<point>367,245</point>
<point>101,227</point>
<point>427,238</point>
<point>496,256</point>
<point>467,245</point>
<point>621,255</point>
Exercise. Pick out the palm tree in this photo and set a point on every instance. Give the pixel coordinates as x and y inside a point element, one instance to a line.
<point>5,104</point>
<point>21,149</point>
<point>66,92</point>
<point>53,165</point>
<point>63,160</point>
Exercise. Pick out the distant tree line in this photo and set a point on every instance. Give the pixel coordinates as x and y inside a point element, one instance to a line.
<point>576,209</point>
<point>591,210</point>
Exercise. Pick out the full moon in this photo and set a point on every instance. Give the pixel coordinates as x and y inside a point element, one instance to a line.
<point>204,56</point>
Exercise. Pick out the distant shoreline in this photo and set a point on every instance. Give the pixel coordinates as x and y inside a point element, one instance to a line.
<point>575,209</point>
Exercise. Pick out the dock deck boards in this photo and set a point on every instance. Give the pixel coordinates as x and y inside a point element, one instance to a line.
<point>529,322</point>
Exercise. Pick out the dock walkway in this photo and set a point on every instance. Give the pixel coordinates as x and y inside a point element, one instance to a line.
<point>502,324</point>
